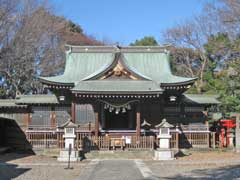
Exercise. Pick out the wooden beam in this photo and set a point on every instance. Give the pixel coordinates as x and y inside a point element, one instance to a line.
<point>73,106</point>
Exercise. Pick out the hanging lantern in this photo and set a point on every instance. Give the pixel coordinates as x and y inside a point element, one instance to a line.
<point>117,111</point>
<point>172,98</point>
<point>105,106</point>
<point>123,110</point>
<point>110,109</point>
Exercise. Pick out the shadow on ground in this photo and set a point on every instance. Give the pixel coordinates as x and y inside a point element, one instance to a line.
<point>180,154</point>
<point>10,171</point>
<point>222,173</point>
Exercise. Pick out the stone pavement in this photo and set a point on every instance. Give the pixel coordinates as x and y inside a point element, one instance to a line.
<point>100,169</point>
<point>116,170</point>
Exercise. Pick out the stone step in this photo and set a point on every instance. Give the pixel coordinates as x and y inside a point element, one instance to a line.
<point>120,155</point>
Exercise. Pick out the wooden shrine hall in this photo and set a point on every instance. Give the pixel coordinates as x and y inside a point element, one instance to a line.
<point>111,93</point>
<point>121,88</point>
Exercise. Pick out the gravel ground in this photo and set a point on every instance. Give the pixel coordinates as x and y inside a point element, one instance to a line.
<point>33,167</point>
<point>195,165</point>
<point>198,165</point>
<point>36,172</point>
<point>193,172</point>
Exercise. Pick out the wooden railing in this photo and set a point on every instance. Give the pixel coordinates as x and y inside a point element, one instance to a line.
<point>194,127</point>
<point>195,140</point>
<point>86,140</point>
<point>42,139</point>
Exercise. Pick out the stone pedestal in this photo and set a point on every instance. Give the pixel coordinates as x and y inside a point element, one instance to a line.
<point>164,141</point>
<point>69,140</point>
<point>163,154</point>
<point>64,157</point>
<point>231,140</point>
<point>237,133</point>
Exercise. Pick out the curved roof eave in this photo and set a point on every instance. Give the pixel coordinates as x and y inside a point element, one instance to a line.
<point>181,81</point>
<point>55,80</point>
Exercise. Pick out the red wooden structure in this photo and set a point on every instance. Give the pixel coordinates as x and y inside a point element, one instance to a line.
<point>226,125</point>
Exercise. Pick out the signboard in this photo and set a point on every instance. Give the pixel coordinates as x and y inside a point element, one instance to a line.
<point>128,139</point>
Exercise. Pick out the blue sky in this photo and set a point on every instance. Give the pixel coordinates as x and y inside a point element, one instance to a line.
<point>124,21</point>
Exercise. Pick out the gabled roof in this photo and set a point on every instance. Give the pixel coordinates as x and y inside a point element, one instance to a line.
<point>85,63</point>
<point>36,99</point>
<point>201,99</point>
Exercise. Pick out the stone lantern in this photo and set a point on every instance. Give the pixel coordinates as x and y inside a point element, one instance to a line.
<point>164,136</point>
<point>69,136</point>
<point>145,126</point>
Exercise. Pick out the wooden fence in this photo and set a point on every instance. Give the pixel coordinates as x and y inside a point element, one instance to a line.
<point>194,140</point>
<point>88,141</point>
<point>43,139</point>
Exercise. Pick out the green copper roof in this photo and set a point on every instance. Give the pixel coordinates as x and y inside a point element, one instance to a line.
<point>10,103</point>
<point>81,66</point>
<point>37,99</point>
<point>84,64</point>
<point>154,65</point>
<point>121,86</point>
<point>201,98</point>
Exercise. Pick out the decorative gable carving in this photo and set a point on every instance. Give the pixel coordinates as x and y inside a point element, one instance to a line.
<point>118,72</point>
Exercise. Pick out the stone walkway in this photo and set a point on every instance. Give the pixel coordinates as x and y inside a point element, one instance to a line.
<point>164,170</point>
<point>116,170</point>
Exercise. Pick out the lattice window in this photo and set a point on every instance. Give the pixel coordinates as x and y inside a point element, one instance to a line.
<point>84,113</point>
<point>62,114</point>
<point>194,109</point>
<point>171,109</point>
<point>41,117</point>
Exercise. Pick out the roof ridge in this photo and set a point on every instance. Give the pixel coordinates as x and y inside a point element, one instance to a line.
<point>115,49</point>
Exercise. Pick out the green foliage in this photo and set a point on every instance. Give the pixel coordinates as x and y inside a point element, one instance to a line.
<point>218,44</point>
<point>74,27</point>
<point>222,75</point>
<point>146,41</point>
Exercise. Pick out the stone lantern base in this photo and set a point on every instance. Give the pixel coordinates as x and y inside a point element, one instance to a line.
<point>64,156</point>
<point>163,154</point>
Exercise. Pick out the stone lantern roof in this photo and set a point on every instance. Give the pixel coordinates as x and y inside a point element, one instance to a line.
<point>164,124</point>
<point>68,124</point>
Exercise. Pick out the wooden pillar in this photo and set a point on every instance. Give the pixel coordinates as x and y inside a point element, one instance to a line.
<point>73,106</point>
<point>96,123</point>
<point>28,119</point>
<point>182,111</point>
<point>138,122</point>
<point>162,104</point>
<point>53,118</point>
<point>97,114</point>
<point>177,140</point>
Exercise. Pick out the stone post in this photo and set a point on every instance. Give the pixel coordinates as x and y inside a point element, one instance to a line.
<point>237,133</point>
